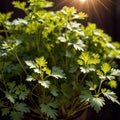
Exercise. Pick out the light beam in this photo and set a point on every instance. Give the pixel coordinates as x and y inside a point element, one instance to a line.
<point>83,1</point>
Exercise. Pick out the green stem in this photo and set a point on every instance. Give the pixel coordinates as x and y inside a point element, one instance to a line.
<point>20,63</point>
<point>83,78</point>
<point>100,86</point>
<point>37,41</point>
<point>35,105</point>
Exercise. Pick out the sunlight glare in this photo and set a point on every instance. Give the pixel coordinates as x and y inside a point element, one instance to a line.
<point>83,1</point>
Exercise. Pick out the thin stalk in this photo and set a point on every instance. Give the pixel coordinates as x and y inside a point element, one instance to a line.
<point>37,41</point>
<point>74,106</point>
<point>83,77</point>
<point>20,63</point>
<point>35,105</point>
<point>100,86</point>
<point>85,107</point>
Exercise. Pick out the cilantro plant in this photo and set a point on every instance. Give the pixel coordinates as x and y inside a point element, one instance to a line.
<point>52,65</point>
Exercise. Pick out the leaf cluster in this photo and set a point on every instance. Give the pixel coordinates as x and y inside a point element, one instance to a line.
<point>54,62</point>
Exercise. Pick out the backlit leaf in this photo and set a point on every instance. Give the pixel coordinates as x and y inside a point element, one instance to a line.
<point>62,39</point>
<point>105,68</point>
<point>111,96</point>
<point>10,97</point>
<point>30,63</point>
<point>82,15</point>
<point>41,61</point>
<point>30,78</point>
<point>79,45</point>
<point>115,72</point>
<point>97,103</point>
<point>45,84</point>
<point>112,83</point>
<point>100,73</point>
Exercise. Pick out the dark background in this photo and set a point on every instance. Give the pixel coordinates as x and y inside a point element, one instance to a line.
<point>106,15</point>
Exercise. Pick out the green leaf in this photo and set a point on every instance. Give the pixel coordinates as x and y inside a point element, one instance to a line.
<point>105,68</point>
<point>79,45</point>
<point>112,83</point>
<point>17,21</point>
<point>87,68</point>
<point>82,15</point>
<point>41,61</point>
<point>97,103</point>
<point>93,61</point>
<point>23,95</point>
<point>16,115</point>
<point>30,78</point>
<point>111,96</point>
<point>100,73</point>
<point>23,91</point>
<point>10,97</point>
<point>31,64</point>
<point>37,71</point>
<point>45,84</point>
<point>86,95</point>
<point>91,85</point>
<point>21,107</point>
<point>115,72</point>
<point>69,54</point>
<point>57,72</point>
<point>20,5</point>
<point>110,77</point>
<point>5,111</point>
<point>73,68</point>
<point>50,112</point>
<point>5,17</point>
<point>62,39</point>
<point>54,91</point>
<point>85,57</point>
<point>11,85</point>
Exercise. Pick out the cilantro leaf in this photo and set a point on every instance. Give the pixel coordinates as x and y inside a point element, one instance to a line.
<point>105,68</point>
<point>16,115</point>
<point>86,95</point>
<point>57,72</point>
<point>45,83</point>
<point>21,107</point>
<point>5,111</point>
<point>115,72</point>
<point>52,113</point>
<point>10,97</point>
<point>111,96</point>
<point>97,103</point>
<point>30,63</point>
